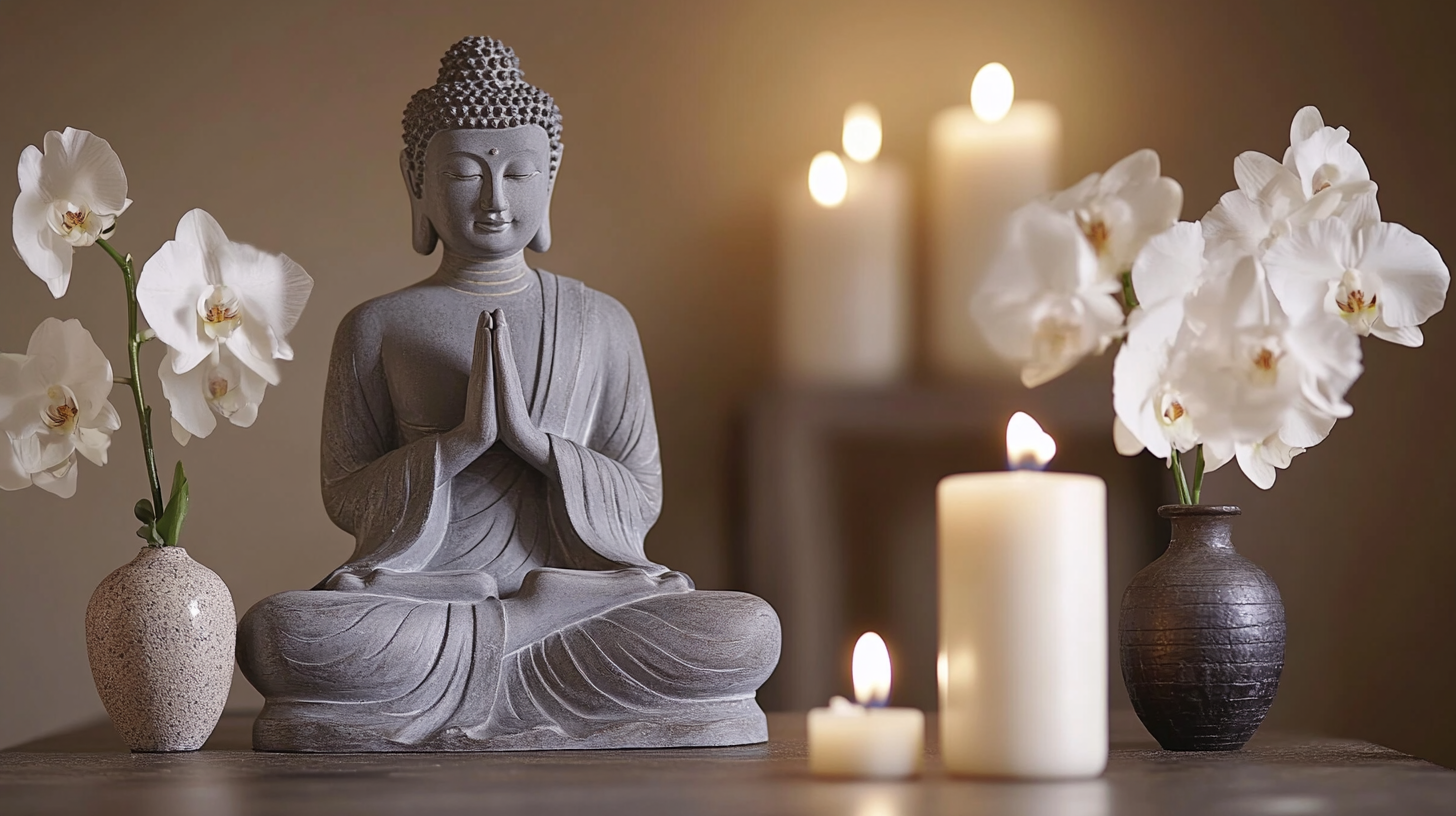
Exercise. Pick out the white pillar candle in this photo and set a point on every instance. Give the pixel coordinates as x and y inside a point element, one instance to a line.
<point>1023,617</point>
<point>986,159</point>
<point>867,740</point>
<point>843,302</point>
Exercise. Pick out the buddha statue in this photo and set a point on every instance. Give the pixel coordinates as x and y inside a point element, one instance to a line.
<point>489,441</point>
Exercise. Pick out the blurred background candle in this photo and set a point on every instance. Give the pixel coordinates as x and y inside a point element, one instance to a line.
<point>866,739</point>
<point>843,303</point>
<point>1023,616</point>
<point>986,159</point>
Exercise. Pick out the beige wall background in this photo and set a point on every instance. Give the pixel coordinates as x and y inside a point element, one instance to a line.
<point>681,119</point>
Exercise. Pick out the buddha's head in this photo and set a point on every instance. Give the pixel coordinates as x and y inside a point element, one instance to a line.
<point>482,147</point>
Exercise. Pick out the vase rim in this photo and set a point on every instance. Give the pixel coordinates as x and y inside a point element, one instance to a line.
<point>162,550</point>
<point>1169,511</point>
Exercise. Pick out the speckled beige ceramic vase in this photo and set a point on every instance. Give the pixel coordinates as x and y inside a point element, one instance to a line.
<point>160,632</point>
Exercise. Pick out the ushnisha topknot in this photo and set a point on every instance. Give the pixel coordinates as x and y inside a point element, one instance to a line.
<point>480,87</point>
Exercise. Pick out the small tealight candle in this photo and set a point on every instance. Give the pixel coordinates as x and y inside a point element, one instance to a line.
<point>867,739</point>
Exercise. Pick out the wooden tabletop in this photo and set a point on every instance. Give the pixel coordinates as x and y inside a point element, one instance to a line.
<point>88,770</point>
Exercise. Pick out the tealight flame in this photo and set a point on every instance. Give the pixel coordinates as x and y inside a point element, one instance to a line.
<point>1028,447</point>
<point>862,132</point>
<point>871,669</point>
<point>828,181</point>
<point>992,92</point>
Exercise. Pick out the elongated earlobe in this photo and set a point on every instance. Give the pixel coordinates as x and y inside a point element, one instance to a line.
<point>422,233</point>
<point>542,241</point>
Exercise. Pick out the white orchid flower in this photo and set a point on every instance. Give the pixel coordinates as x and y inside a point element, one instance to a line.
<point>1242,365</point>
<point>53,403</point>
<point>1381,279</point>
<point>1118,211</point>
<point>70,195</point>
<point>1150,411</point>
<point>220,386</point>
<point>1321,176</point>
<point>1044,304</point>
<point>1323,158</point>
<point>202,293</point>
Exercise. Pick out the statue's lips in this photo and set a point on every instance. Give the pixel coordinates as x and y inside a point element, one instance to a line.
<point>492,226</point>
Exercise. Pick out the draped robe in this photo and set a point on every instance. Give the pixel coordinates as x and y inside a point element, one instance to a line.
<point>356,670</point>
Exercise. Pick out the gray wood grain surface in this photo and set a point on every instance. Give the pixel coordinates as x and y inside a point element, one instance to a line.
<point>88,771</point>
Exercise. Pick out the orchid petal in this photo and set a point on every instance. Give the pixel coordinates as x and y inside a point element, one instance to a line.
<point>168,291</point>
<point>93,170</point>
<point>1302,265</point>
<point>1409,336</point>
<point>1260,472</point>
<point>43,251</point>
<point>1168,268</point>
<point>60,480</point>
<point>12,475</point>
<point>1307,122</point>
<point>186,395</point>
<point>1258,175</point>
<point>1413,276</point>
<point>1138,168</point>
<point>92,444</point>
<point>1124,440</point>
<point>274,291</point>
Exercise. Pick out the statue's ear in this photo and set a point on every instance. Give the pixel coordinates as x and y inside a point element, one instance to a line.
<point>542,241</point>
<point>422,232</point>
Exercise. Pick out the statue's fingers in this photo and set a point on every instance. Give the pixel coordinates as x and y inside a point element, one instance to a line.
<point>505,361</point>
<point>481,355</point>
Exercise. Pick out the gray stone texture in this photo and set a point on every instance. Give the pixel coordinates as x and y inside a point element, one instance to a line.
<point>159,633</point>
<point>489,440</point>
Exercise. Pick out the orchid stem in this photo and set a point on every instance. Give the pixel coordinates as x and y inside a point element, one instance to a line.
<point>133,348</point>
<point>1184,497</point>
<point>1129,294</point>
<point>1198,476</point>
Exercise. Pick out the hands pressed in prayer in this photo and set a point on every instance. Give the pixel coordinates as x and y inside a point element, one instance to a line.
<point>516,428</point>
<point>480,426</point>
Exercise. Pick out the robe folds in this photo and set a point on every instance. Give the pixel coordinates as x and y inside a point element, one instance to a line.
<point>356,670</point>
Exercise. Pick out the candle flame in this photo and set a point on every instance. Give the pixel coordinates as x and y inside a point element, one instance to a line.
<point>1028,447</point>
<point>862,132</point>
<point>992,92</point>
<point>871,669</point>
<point>828,181</point>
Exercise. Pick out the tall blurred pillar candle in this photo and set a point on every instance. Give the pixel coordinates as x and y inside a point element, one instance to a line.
<point>986,159</point>
<point>843,307</point>
<point>1023,617</point>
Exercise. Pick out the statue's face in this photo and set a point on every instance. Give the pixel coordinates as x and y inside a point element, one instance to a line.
<point>487,191</point>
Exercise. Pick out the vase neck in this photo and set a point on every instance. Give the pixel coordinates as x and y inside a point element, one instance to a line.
<point>1193,532</point>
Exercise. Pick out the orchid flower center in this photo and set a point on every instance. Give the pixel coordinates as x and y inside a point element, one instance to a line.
<point>1095,229</point>
<point>1057,335</point>
<point>1264,362</point>
<point>222,394</point>
<point>60,412</point>
<point>1171,410</point>
<point>1357,302</point>
<point>76,223</point>
<point>1325,177</point>
<point>221,312</point>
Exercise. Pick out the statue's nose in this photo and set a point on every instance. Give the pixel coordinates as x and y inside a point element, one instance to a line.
<point>492,196</point>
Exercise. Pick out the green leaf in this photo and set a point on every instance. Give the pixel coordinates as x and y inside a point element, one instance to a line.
<point>148,533</point>
<point>169,526</point>
<point>144,512</point>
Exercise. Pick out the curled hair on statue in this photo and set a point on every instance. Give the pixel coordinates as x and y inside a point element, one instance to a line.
<point>480,87</point>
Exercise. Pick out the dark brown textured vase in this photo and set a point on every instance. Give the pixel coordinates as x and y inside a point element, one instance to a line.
<point>1202,636</point>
